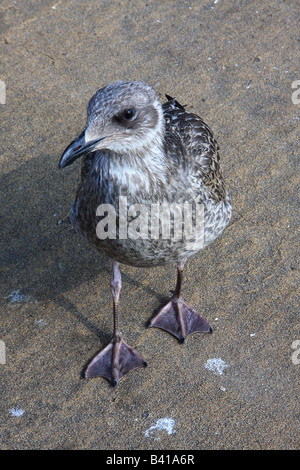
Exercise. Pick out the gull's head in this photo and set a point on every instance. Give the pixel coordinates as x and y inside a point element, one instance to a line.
<point>123,117</point>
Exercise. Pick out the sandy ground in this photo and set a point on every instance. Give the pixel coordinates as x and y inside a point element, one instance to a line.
<point>234,63</point>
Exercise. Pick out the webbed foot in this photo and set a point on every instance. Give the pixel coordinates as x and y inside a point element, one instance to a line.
<point>114,361</point>
<point>180,320</point>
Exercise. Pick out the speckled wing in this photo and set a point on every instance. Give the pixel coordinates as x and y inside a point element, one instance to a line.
<point>191,142</point>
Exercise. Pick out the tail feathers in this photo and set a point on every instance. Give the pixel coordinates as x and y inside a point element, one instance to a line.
<point>174,102</point>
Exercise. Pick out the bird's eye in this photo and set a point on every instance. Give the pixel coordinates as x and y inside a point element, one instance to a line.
<point>129,114</point>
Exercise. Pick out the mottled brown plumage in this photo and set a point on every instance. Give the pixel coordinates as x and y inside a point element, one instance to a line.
<point>187,132</point>
<point>150,154</point>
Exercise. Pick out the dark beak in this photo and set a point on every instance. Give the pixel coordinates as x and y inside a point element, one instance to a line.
<point>76,149</point>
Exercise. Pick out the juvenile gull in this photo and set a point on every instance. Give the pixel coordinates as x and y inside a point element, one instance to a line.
<point>153,155</point>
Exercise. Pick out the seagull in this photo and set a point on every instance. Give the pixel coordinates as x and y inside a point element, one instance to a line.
<point>145,166</point>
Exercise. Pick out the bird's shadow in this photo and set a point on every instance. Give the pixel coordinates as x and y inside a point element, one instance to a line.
<point>42,258</point>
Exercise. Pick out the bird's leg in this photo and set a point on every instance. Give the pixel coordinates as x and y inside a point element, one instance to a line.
<point>117,358</point>
<point>115,287</point>
<point>177,317</point>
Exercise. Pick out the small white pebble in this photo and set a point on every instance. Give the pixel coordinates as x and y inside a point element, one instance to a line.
<point>16,412</point>
<point>40,322</point>
<point>166,424</point>
<point>216,365</point>
<point>15,296</point>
